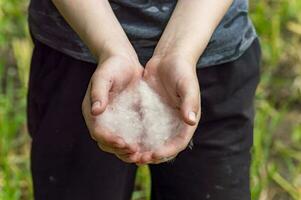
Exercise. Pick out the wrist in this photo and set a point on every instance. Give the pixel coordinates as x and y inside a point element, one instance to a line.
<point>190,47</point>
<point>169,57</point>
<point>125,51</point>
<point>172,61</point>
<point>179,52</point>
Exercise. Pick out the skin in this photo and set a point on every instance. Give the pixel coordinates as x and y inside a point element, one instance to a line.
<point>171,71</point>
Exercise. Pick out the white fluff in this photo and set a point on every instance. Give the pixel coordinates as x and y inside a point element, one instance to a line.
<point>139,115</point>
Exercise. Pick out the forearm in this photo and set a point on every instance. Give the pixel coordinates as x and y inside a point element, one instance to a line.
<point>96,24</point>
<point>191,27</point>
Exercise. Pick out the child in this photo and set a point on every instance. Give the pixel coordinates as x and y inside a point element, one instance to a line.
<point>85,50</point>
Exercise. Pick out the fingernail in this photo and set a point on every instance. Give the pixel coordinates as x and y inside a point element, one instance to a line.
<point>192,116</point>
<point>96,105</point>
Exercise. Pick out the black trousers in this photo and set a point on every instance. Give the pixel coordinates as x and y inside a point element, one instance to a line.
<point>66,163</point>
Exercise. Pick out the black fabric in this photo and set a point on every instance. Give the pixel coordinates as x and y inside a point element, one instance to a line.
<point>66,163</point>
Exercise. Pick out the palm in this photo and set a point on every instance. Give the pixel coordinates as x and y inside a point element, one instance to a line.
<point>176,82</point>
<point>169,78</point>
<point>109,79</point>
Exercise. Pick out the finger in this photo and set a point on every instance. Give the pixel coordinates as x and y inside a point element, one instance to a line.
<point>163,160</point>
<point>105,148</point>
<point>101,84</point>
<point>189,93</point>
<point>168,151</point>
<point>145,158</point>
<point>130,158</point>
<point>116,142</point>
<point>132,147</point>
<point>108,139</point>
<point>172,147</point>
<point>127,149</point>
<point>102,136</point>
<point>121,151</point>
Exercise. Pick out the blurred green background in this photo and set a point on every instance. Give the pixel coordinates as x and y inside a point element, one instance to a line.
<point>276,166</point>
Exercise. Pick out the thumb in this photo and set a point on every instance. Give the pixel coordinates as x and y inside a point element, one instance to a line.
<point>99,92</point>
<point>189,92</point>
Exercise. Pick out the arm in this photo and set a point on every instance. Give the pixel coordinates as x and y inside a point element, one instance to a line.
<point>191,27</point>
<point>172,67</point>
<point>96,24</point>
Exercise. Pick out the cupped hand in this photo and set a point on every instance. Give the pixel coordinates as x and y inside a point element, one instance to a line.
<point>111,77</point>
<point>175,79</point>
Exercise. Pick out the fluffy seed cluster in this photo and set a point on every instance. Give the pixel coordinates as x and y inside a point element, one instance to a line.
<point>139,115</point>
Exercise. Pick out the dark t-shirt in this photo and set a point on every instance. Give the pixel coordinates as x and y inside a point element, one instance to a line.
<point>144,21</point>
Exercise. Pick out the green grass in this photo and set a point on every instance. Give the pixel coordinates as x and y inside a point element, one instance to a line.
<point>276,166</point>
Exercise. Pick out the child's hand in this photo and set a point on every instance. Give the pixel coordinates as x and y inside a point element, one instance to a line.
<point>174,78</point>
<point>111,76</point>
